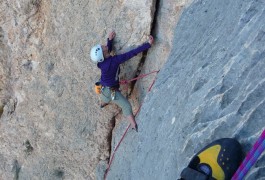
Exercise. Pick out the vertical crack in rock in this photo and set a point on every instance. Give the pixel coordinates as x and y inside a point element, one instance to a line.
<point>109,139</point>
<point>155,15</point>
<point>156,5</point>
<point>16,169</point>
<point>138,70</point>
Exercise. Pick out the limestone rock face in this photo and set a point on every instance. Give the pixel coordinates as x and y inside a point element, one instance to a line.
<point>166,17</point>
<point>51,124</point>
<point>211,87</point>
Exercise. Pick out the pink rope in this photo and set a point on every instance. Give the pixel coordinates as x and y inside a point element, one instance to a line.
<point>251,158</point>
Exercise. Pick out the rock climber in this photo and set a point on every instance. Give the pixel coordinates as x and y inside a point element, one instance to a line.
<point>109,66</point>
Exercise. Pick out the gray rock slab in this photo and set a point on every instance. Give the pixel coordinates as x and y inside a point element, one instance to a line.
<point>211,87</point>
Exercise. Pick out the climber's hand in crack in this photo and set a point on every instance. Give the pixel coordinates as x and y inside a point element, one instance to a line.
<point>151,40</point>
<point>112,35</point>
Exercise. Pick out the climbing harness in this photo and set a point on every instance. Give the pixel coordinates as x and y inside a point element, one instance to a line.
<point>251,158</point>
<point>123,136</point>
<point>99,87</point>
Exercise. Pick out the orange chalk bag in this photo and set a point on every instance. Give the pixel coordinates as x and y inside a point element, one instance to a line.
<point>98,87</point>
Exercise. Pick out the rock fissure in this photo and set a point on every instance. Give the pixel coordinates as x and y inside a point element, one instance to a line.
<point>141,63</point>
<point>109,139</point>
<point>137,73</point>
<point>144,54</point>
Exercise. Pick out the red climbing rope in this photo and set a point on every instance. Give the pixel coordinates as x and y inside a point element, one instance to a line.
<point>126,82</point>
<point>138,77</point>
<point>116,148</point>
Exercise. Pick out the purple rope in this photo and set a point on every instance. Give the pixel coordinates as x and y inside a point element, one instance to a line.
<point>251,158</point>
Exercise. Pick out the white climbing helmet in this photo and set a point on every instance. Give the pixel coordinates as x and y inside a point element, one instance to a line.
<point>96,54</point>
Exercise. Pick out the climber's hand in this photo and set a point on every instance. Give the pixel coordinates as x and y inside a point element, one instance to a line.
<point>151,40</point>
<point>112,35</point>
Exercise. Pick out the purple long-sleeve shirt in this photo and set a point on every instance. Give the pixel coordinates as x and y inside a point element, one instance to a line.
<point>110,66</point>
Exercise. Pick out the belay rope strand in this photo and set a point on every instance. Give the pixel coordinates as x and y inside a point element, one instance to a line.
<point>116,148</point>
<point>251,158</point>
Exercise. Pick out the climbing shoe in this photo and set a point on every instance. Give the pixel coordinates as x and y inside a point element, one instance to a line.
<point>103,105</point>
<point>217,161</point>
<point>136,128</point>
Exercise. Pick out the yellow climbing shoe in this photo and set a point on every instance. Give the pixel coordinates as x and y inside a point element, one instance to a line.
<point>217,161</point>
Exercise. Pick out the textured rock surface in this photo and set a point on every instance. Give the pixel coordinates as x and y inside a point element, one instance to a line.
<point>52,126</point>
<point>167,15</point>
<point>211,87</point>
